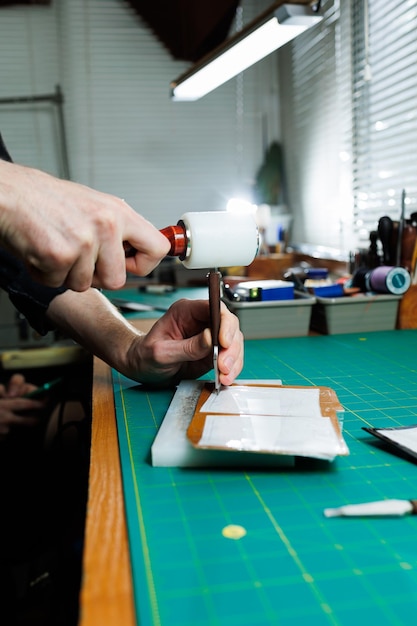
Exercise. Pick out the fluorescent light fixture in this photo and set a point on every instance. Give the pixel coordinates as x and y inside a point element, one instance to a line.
<point>274,28</point>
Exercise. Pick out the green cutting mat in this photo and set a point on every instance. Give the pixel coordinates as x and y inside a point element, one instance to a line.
<point>161,300</point>
<point>293,566</point>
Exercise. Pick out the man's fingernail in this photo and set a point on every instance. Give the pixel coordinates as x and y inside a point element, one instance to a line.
<point>228,363</point>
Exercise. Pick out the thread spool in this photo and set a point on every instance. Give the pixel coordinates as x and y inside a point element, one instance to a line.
<point>214,239</point>
<point>387,279</point>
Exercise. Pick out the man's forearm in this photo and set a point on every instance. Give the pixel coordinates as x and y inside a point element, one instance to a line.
<point>93,322</point>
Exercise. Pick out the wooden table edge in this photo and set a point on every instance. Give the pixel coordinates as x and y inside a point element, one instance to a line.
<point>106,595</point>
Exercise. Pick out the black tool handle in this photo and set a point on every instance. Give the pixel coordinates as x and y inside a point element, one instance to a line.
<point>214,302</point>
<point>385,231</point>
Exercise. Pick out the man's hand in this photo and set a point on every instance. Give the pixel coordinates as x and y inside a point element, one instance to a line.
<point>179,346</point>
<point>71,235</point>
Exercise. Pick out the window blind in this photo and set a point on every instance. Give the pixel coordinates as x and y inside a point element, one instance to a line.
<point>350,122</point>
<point>384,109</point>
<point>315,80</point>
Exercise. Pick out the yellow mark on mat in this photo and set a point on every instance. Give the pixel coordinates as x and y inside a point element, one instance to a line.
<point>233,531</point>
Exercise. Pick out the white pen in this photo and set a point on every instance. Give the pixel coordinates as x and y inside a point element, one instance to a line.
<point>380,508</point>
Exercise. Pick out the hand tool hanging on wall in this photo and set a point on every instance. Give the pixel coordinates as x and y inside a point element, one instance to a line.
<point>385,232</point>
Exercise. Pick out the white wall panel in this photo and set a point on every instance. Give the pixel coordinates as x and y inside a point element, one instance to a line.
<point>125,135</point>
<point>29,66</point>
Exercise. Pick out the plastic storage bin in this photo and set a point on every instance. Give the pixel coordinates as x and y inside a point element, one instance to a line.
<point>355,314</point>
<point>275,318</point>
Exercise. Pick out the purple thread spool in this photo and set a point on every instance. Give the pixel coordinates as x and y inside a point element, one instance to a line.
<point>387,279</point>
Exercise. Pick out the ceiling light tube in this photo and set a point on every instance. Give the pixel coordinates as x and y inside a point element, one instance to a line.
<point>273,29</point>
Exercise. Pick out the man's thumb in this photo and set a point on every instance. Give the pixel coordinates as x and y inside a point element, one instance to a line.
<point>198,346</point>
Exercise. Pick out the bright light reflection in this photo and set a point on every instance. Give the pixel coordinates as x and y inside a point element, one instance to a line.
<point>240,205</point>
<point>385,174</point>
